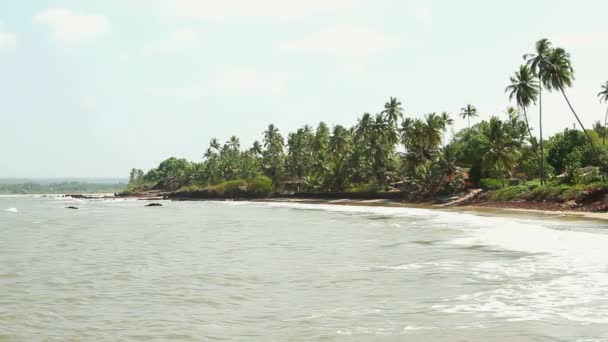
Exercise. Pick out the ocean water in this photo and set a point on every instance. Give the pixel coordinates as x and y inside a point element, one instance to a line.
<point>115,270</point>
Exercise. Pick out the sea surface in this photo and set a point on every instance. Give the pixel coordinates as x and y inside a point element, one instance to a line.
<point>115,270</point>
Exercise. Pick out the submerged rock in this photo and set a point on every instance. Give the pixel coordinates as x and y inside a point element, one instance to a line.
<point>154,205</point>
<point>72,207</point>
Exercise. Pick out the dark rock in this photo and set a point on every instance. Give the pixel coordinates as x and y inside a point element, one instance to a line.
<point>72,207</point>
<point>154,205</point>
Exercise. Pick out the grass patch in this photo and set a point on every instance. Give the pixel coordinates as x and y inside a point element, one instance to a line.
<point>509,193</point>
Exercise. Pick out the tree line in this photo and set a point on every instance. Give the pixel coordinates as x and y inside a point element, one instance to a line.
<point>391,151</point>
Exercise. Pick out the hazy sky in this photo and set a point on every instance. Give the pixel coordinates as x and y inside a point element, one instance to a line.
<point>94,88</point>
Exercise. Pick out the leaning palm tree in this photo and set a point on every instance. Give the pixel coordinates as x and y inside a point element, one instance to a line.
<point>524,89</point>
<point>603,95</point>
<point>539,63</point>
<point>559,75</point>
<point>468,112</point>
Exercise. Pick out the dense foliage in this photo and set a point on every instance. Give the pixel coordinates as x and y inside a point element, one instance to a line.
<point>392,151</point>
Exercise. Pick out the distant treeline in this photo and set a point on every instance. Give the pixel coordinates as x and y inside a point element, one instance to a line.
<point>60,188</point>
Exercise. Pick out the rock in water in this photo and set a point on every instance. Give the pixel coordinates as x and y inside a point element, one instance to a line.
<point>72,207</point>
<point>154,205</point>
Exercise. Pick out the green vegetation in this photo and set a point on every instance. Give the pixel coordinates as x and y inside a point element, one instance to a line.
<point>552,192</point>
<point>391,151</point>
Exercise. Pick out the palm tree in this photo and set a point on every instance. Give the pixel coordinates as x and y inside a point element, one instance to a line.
<point>559,75</point>
<point>524,89</point>
<point>364,128</point>
<point>538,63</point>
<point>393,111</point>
<point>256,148</point>
<point>499,150</point>
<point>603,95</point>
<point>468,112</point>
<point>234,143</point>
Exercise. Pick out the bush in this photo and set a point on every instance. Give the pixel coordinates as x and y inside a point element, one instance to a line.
<point>260,186</point>
<point>231,188</point>
<point>190,188</point>
<point>509,193</point>
<point>548,192</point>
<point>491,184</point>
<point>531,185</point>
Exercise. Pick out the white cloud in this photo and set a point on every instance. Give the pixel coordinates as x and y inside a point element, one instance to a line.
<point>422,14</point>
<point>176,41</point>
<point>70,27</point>
<point>257,8</point>
<point>249,81</point>
<point>582,39</point>
<point>354,70</point>
<point>343,40</point>
<point>7,40</point>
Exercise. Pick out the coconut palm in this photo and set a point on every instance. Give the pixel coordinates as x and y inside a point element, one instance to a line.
<point>559,75</point>
<point>393,111</point>
<point>539,63</point>
<point>524,89</point>
<point>234,143</point>
<point>364,128</point>
<point>499,150</point>
<point>603,95</point>
<point>468,112</point>
<point>256,148</point>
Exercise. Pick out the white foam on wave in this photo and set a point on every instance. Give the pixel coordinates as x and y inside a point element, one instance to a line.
<point>357,209</point>
<point>563,275</point>
<point>12,210</point>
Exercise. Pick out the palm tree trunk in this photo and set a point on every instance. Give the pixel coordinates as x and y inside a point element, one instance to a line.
<point>605,127</point>
<point>581,124</point>
<point>530,133</point>
<point>540,118</point>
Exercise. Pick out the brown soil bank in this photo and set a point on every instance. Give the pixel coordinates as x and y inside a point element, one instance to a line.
<point>401,197</point>
<point>594,200</point>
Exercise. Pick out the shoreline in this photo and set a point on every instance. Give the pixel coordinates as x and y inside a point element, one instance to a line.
<point>479,209</point>
<point>537,209</point>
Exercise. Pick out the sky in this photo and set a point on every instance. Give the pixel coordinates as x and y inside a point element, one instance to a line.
<point>95,88</point>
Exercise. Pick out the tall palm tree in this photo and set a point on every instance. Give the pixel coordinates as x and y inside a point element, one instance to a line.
<point>524,89</point>
<point>603,95</point>
<point>539,63</point>
<point>559,75</point>
<point>468,112</point>
<point>393,111</point>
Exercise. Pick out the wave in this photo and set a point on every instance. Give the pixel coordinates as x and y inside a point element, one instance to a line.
<point>12,210</point>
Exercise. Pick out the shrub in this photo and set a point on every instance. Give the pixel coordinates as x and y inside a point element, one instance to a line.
<point>231,188</point>
<point>531,185</point>
<point>548,192</point>
<point>509,193</point>
<point>260,186</point>
<point>491,184</point>
<point>190,188</point>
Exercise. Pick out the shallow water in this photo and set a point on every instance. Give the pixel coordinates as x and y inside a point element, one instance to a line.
<point>238,271</point>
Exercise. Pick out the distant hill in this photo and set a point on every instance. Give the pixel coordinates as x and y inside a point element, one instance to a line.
<point>61,186</point>
<point>83,180</point>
